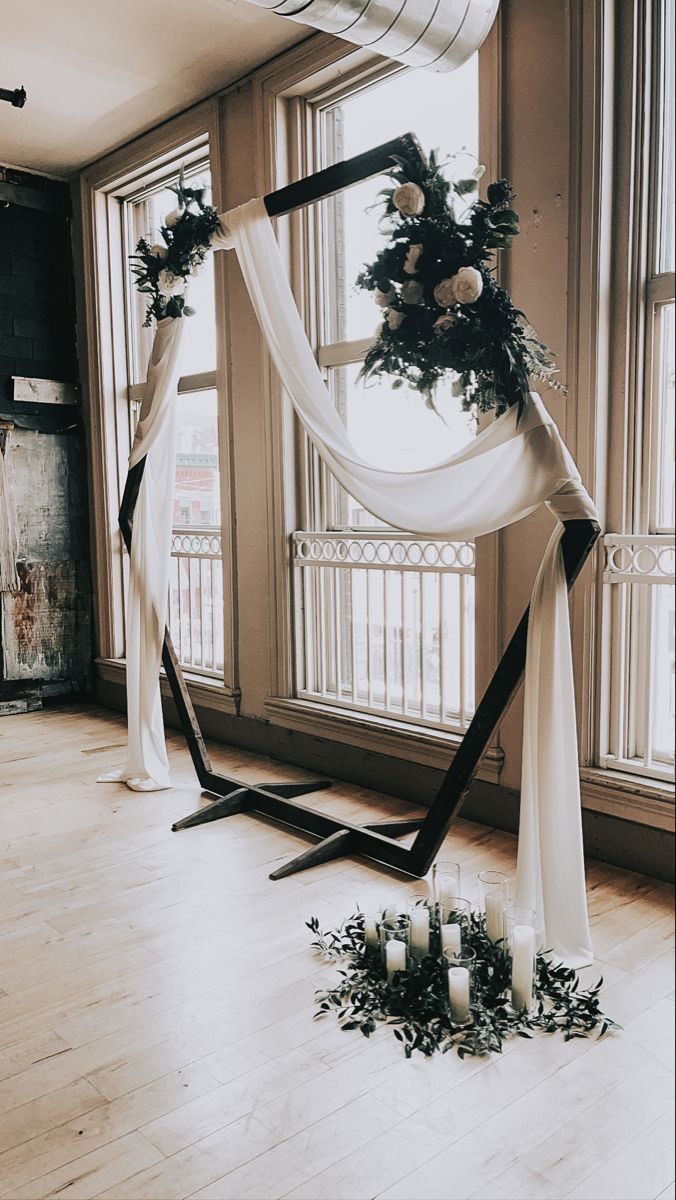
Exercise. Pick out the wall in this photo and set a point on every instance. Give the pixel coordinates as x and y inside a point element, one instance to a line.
<point>45,646</point>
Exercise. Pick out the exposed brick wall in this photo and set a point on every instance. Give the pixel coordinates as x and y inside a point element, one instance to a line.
<point>37,312</point>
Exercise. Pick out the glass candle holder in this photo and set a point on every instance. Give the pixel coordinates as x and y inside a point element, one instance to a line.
<point>372,919</point>
<point>521,945</point>
<point>445,888</point>
<point>420,926</point>
<point>454,930</point>
<point>494,889</point>
<point>394,934</point>
<point>460,968</point>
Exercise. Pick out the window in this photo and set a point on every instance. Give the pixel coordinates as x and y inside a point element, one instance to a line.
<point>196,579</point>
<point>384,619</point>
<point>638,620</point>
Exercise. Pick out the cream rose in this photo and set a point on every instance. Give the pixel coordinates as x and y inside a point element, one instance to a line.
<point>468,285</point>
<point>409,199</point>
<point>444,292</point>
<point>172,218</point>
<point>411,262</point>
<point>169,284</point>
<point>158,250</point>
<point>395,318</point>
<point>412,292</point>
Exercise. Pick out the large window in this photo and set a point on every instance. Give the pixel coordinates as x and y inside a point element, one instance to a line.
<point>638,625</point>
<point>196,579</point>
<point>384,619</point>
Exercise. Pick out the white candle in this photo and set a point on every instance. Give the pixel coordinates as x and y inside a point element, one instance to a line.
<point>494,917</point>
<point>390,912</point>
<point>370,931</point>
<point>420,931</point>
<point>458,994</point>
<point>523,953</point>
<point>450,938</point>
<point>395,956</point>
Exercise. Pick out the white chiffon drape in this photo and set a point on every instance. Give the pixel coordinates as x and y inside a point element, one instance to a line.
<point>501,476</point>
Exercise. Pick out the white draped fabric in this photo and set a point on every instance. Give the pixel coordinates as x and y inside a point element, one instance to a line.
<point>504,474</point>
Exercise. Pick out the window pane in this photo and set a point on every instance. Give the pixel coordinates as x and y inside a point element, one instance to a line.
<point>198,352</point>
<point>197,498</point>
<point>392,428</point>
<point>665,160</point>
<point>663,680</point>
<point>196,577</point>
<point>443,111</point>
<point>666,429</point>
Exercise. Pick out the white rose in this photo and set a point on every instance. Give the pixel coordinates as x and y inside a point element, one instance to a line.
<point>395,318</point>
<point>468,285</point>
<point>169,284</point>
<point>412,255</point>
<point>172,218</point>
<point>479,172</point>
<point>158,251</point>
<point>409,199</point>
<point>383,299</point>
<point>412,292</point>
<point>444,292</point>
<point>445,322</point>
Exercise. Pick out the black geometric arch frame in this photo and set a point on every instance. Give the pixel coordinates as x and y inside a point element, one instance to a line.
<point>376,841</point>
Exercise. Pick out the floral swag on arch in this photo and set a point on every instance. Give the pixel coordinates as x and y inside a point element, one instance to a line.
<point>518,463</point>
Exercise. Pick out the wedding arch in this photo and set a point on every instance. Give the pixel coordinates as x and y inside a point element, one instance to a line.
<point>509,470</point>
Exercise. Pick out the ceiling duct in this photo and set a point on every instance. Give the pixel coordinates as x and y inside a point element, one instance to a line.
<point>438,34</point>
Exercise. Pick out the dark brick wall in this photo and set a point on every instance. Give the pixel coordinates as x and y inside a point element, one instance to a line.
<point>37,311</point>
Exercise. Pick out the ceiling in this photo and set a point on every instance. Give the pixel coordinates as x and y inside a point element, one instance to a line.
<point>98,72</point>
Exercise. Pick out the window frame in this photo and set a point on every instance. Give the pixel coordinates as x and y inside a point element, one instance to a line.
<point>104,330</point>
<point>326,69</point>
<point>627,610</point>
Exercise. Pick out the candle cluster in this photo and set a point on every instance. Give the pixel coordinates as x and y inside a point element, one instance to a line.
<point>440,925</point>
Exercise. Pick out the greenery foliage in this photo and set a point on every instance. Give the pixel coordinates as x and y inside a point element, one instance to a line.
<point>487,344</point>
<point>415,1003</point>
<point>162,269</point>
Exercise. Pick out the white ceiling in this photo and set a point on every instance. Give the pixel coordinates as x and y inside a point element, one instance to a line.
<point>98,72</point>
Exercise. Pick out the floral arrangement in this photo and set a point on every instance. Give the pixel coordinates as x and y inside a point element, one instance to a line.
<point>415,1002</point>
<point>162,268</point>
<point>443,311</point>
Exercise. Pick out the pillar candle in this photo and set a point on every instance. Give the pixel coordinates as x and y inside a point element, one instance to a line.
<point>420,931</point>
<point>523,953</point>
<point>370,931</point>
<point>494,917</point>
<point>450,938</point>
<point>390,912</point>
<point>395,956</point>
<point>458,994</point>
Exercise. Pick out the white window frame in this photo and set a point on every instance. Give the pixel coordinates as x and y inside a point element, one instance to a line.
<point>104,329</point>
<point>325,68</point>
<point>638,554</point>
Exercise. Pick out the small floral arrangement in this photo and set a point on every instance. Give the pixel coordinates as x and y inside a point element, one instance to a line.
<point>443,312</point>
<point>415,1002</point>
<point>162,268</point>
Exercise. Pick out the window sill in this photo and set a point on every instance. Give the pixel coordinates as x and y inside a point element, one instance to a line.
<point>429,747</point>
<point>629,797</point>
<point>204,693</point>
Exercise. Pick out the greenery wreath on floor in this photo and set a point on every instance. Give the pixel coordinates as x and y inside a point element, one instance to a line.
<point>415,1002</point>
<point>443,311</point>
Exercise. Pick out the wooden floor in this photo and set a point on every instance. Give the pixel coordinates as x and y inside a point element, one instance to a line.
<point>156,1001</point>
